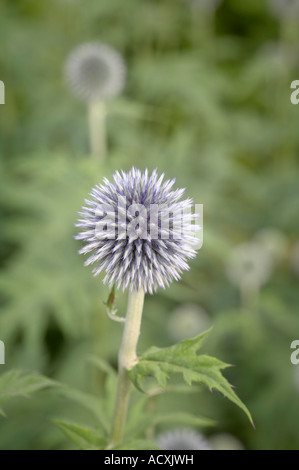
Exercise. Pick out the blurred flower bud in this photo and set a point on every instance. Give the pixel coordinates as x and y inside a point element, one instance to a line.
<point>95,72</point>
<point>250,266</point>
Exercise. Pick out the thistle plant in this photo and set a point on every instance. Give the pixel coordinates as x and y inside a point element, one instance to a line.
<point>96,72</point>
<point>140,232</point>
<point>143,255</point>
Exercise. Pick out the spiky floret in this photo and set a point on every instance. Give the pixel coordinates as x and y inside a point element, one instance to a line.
<point>95,72</point>
<point>143,246</point>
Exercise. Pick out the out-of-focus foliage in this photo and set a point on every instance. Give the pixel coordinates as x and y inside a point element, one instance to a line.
<point>17,384</point>
<point>207,100</point>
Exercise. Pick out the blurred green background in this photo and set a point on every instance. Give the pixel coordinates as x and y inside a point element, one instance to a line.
<point>207,101</point>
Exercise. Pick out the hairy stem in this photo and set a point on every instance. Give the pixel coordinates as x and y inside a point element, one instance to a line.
<point>126,360</point>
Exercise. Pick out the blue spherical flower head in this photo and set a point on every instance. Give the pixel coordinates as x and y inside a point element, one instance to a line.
<point>138,231</point>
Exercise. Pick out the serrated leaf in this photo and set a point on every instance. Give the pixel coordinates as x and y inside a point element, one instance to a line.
<point>182,358</point>
<point>17,383</point>
<point>85,438</point>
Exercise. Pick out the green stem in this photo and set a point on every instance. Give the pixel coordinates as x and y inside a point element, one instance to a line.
<point>97,130</point>
<point>126,360</point>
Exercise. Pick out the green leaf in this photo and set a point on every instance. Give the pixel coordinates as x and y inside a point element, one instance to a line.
<point>152,420</point>
<point>85,438</point>
<point>140,419</point>
<point>110,308</point>
<point>88,401</point>
<point>182,358</point>
<point>183,418</point>
<point>102,365</point>
<point>17,383</point>
<point>102,408</point>
<point>110,385</point>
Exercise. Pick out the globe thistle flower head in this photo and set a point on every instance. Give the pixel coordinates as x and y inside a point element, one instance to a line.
<point>187,321</point>
<point>95,72</point>
<point>182,439</point>
<point>249,266</point>
<point>138,231</point>
<point>284,8</point>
